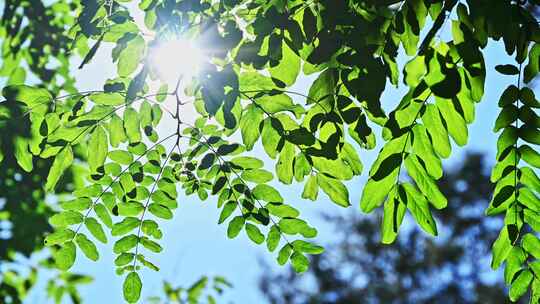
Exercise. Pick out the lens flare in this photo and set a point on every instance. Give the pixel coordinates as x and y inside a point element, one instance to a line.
<point>176,58</point>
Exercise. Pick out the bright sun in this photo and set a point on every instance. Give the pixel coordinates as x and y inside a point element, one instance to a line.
<point>176,58</point>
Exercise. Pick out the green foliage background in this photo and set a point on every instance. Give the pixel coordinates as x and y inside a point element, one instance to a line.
<point>129,171</point>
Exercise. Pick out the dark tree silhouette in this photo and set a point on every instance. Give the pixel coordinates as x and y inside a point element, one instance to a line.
<point>417,268</point>
<point>33,35</point>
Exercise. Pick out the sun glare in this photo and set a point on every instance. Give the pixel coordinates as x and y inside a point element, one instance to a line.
<point>176,58</point>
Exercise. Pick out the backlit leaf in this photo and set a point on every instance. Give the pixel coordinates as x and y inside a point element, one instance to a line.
<point>61,162</point>
<point>132,287</point>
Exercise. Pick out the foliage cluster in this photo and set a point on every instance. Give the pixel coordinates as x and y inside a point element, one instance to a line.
<point>133,169</point>
<point>416,268</point>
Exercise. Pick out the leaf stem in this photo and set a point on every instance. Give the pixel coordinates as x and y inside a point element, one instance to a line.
<point>147,203</point>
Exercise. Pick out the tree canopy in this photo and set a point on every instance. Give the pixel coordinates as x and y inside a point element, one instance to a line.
<point>119,156</point>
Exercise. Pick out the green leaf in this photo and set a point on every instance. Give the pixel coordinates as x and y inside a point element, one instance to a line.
<point>311,188</point>
<point>520,285</point>
<point>424,182</point>
<point>529,178</point>
<point>59,236</point>
<point>349,155</point>
<point>529,199</point>
<point>457,128</point>
<point>267,193</point>
<point>437,131</point>
<point>423,149</point>
<point>297,226</point>
<point>299,262</point>
<point>151,228</point>
<point>419,208</point>
<point>160,211</point>
<point>103,214</point>
<point>108,99</point>
<point>408,110</point>
<point>501,248</point>
<point>132,125</point>
<point>509,96</point>
<point>503,166</point>
<point>147,263</point>
<point>506,140</point>
<point>414,70</point>
<point>533,67</point>
<point>307,247</point>
<point>227,210</point>
<point>117,133</point>
<point>464,100</point>
<point>288,68</point>
<point>65,257</point>
<point>535,292</point>
<point>276,103</point>
<point>435,73</point>
<point>393,214</point>
<point>235,226</point>
<point>322,88</point>
<point>124,259</point>
<point>282,210</point>
<point>529,133</point>
<point>254,233</point>
<point>284,254</point>
<point>125,226</point>
<point>535,267</point>
<point>252,80</point>
<point>78,204</point>
<point>375,191</point>
<point>61,162</point>
<point>127,183</point>
<point>284,165</point>
<point>125,244</point>
<point>131,208</point>
<point>258,176</point>
<point>247,162</point>
<point>22,154</point>
<point>66,218</point>
<point>531,156</point>
<point>97,148</point>
<point>121,157</point>
<point>17,76</point>
<point>87,247</point>
<point>95,229</point>
<point>532,218</point>
<point>249,125</point>
<point>507,69</point>
<point>383,174</point>
<point>163,198</point>
<point>335,189</point>
<point>335,168</point>
<point>503,195</point>
<point>88,191</point>
<point>515,259</point>
<point>131,56</point>
<point>508,115</point>
<point>531,244</point>
<point>132,287</point>
<point>270,138</point>
<point>151,245</point>
<point>273,238</point>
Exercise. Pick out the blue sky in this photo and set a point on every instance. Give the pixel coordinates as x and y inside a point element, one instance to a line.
<point>195,245</point>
